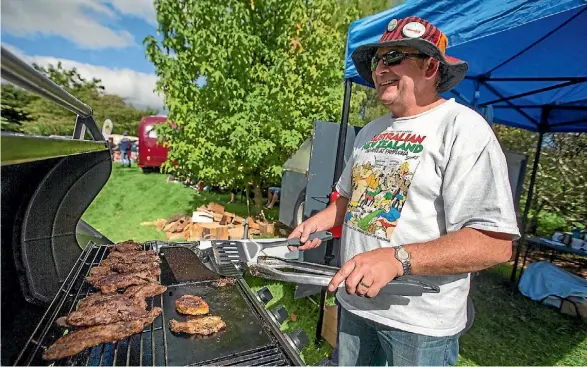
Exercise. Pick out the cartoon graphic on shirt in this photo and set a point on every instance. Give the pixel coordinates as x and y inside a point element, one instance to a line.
<point>381,177</point>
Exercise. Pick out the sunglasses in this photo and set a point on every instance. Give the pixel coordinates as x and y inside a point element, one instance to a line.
<point>393,57</point>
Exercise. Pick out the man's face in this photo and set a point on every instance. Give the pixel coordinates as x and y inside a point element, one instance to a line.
<point>399,84</point>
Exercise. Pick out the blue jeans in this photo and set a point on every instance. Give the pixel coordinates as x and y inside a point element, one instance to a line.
<point>364,342</point>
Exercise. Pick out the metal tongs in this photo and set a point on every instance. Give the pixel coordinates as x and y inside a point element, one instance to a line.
<point>300,272</point>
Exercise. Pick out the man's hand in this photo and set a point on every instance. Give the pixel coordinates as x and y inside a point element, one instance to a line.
<point>366,273</point>
<point>303,231</point>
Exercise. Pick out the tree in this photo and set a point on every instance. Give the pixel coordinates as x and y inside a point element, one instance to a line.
<point>272,68</point>
<point>560,190</point>
<point>12,111</point>
<point>28,113</point>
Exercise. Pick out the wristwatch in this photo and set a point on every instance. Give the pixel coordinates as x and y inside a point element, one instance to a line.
<point>404,257</point>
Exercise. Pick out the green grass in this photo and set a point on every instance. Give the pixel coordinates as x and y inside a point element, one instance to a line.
<point>509,329</point>
<point>131,197</point>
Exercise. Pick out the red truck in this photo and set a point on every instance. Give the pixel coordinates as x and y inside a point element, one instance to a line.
<point>151,154</point>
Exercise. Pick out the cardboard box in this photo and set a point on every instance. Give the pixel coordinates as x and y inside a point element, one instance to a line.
<point>330,325</point>
<point>568,307</point>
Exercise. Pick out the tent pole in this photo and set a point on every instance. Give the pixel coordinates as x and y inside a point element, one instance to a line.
<point>530,194</point>
<point>338,168</point>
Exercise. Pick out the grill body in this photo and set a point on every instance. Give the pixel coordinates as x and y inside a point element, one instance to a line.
<point>250,336</point>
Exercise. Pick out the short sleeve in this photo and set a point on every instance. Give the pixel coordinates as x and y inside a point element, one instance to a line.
<point>476,190</point>
<point>344,184</point>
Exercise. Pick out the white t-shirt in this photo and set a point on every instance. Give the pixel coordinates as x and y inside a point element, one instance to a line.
<point>415,179</point>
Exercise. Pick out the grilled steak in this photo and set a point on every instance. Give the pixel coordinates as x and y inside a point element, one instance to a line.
<point>206,325</point>
<point>130,257</point>
<point>98,271</point>
<point>151,267</point>
<point>145,291</point>
<point>76,341</point>
<point>126,246</point>
<point>137,293</point>
<point>116,309</point>
<point>99,299</point>
<point>110,283</point>
<point>191,305</point>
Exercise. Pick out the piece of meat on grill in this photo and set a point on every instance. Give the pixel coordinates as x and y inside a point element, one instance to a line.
<point>191,305</point>
<point>206,325</point>
<point>137,293</point>
<point>116,309</point>
<point>145,291</point>
<point>98,271</point>
<point>110,283</point>
<point>130,257</point>
<point>99,298</point>
<point>76,341</point>
<point>127,246</point>
<point>152,267</point>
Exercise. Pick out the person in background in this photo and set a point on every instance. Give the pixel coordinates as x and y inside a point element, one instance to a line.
<point>273,195</point>
<point>125,146</point>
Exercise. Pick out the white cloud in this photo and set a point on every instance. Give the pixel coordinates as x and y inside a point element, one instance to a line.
<point>143,9</point>
<point>135,87</point>
<point>84,22</point>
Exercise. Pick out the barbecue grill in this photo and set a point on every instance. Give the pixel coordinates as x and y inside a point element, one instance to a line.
<point>47,251</point>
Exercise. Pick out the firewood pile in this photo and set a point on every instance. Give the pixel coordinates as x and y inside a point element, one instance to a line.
<point>212,222</point>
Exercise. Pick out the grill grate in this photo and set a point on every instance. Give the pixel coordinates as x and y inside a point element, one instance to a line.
<point>149,348</point>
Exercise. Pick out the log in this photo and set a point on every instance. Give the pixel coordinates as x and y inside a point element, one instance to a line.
<point>236,233</point>
<point>253,224</point>
<point>214,231</point>
<point>216,208</point>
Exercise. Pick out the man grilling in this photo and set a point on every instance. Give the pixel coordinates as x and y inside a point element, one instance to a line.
<point>439,166</point>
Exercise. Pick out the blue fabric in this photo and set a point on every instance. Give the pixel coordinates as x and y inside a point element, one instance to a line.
<point>124,145</point>
<point>364,342</point>
<point>543,279</point>
<point>504,39</point>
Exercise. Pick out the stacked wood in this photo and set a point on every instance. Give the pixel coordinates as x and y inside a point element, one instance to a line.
<point>213,222</point>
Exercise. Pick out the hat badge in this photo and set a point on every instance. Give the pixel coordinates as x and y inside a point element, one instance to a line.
<point>392,25</point>
<point>414,30</point>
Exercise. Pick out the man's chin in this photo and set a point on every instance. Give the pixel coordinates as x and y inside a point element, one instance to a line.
<point>388,100</point>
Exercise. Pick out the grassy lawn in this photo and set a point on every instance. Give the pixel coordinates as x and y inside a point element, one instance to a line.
<point>510,329</point>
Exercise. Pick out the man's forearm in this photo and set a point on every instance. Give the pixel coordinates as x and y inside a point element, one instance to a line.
<point>463,251</point>
<point>332,216</point>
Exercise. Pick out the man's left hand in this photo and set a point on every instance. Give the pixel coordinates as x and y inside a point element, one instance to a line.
<point>366,273</point>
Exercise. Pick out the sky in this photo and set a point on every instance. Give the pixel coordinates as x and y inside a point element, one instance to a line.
<point>101,38</point>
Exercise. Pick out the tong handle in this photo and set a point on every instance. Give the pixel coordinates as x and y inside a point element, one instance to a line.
<point>322,235</point>
<point>401,288</point>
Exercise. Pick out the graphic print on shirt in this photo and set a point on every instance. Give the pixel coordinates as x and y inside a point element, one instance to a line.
<point>381,177</point>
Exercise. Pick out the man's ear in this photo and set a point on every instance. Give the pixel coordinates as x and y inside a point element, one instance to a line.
<point>432,67</point>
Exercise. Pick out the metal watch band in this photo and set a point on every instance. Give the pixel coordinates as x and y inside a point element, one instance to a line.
<point>406,263</point>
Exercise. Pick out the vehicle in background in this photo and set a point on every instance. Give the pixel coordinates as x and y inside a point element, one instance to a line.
<point>151,154</point>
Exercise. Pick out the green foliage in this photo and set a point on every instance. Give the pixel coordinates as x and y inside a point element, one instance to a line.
<point>272,68</point>
<point>28,113</point>
<point>560,192</point>
<point>12,113</point>
<point>549,222</point>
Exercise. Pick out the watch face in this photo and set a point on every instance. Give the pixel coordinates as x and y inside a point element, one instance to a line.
<point>402,254</point>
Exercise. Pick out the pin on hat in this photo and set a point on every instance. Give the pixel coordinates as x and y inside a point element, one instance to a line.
<point>415,33</point>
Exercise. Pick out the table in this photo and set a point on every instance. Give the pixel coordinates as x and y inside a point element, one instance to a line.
<point>548,244</point>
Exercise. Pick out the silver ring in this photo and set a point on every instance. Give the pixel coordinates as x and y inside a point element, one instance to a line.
<point>364,285</point>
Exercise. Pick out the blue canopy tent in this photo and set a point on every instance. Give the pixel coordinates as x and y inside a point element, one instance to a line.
<point>527,63</point>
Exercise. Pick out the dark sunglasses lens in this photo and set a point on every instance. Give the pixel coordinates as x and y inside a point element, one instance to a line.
<point>392,58</point>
